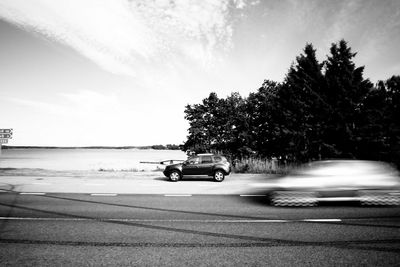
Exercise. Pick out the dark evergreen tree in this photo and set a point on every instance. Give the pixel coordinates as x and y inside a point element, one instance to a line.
<point>301,100</point>
<point>346,89</point>
<point>372,125</point>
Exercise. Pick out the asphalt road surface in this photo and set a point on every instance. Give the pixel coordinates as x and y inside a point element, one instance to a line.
<point>53,229</point>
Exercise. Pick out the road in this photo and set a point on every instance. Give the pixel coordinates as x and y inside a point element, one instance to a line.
<point>191,230</point>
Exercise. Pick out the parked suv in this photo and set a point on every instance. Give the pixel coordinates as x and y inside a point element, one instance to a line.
<point>202,164</point>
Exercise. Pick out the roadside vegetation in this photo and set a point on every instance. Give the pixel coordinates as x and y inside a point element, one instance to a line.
<point>258,165</point>
<point>320,110</point>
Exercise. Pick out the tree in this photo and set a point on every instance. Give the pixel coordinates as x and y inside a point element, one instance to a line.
<point>392,86</point>
<point>320,110</point>
<point>302,103</point>
<point>381,132</point>
<point>264,127</point>
<point>234,120</point>
<point>346,89</point>
<point>201,119</point>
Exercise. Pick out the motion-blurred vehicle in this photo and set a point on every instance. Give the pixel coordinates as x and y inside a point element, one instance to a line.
<point>370,182</point>
<point>213,165</point>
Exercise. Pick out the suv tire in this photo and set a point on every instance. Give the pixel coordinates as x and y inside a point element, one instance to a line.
<point>219,176</point>
<point>174,176</point>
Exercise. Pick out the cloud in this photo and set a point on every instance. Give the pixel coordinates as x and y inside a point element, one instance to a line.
<point>87,101</point>
<point>124,37</point>
<point>84,104</point>
<point>49,108</point>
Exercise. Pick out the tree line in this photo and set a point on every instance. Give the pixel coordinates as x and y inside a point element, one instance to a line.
<point>321,110</point>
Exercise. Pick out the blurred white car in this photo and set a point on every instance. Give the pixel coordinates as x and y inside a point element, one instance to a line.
<point>370,182</point>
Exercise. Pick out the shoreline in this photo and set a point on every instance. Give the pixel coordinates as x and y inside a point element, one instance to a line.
<point>154,147</point>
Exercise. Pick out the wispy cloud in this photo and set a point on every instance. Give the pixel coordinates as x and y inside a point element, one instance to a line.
<point>80,105</point>
<point>122,36</point>
<point>87,101</point>
<point>49,108</point>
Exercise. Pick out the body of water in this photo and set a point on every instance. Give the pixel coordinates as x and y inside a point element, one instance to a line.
<point>87,159</point>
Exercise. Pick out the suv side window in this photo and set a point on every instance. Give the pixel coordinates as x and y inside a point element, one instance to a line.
<point>206,159</point>
<point>194,160</point>
<point>217,159</point>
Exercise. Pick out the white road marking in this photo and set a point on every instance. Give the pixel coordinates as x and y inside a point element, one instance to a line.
<point>39,183</point>
<point>180,195</point>
<point>322,220</point>
<point>32,193</point>
<point>103,195</point>
<point>337,199</point>
<point>165,220</point>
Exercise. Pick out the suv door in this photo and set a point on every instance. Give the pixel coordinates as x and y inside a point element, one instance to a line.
<point>206,165</point>
<point>190,167</point>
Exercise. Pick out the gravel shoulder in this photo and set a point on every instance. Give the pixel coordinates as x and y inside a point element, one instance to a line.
<point>127,183</point>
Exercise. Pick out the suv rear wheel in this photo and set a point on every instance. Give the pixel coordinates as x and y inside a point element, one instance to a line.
<point>219,176</point>
<point>174,176</point>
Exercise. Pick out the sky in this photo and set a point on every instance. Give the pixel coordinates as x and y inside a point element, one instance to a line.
<point>120,73</point>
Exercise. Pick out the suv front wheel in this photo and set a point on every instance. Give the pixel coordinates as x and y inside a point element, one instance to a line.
<point>219,176</point>
<point>174,176</point>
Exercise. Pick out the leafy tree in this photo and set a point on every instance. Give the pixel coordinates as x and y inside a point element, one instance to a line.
<point>234,121</point>
<point>263,120</point>
<point>202,120</point>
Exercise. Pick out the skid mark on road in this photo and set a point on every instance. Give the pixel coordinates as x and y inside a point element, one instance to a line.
<point>261,241</point>
<point>356,245</point>
<point>162,220</point>
<point>155,209</point>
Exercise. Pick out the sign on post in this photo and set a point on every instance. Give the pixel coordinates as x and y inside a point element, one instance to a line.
<point>5,134</point>
<point>6,131</point>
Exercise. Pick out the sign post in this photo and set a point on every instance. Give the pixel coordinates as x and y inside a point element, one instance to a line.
<point>5,135</point>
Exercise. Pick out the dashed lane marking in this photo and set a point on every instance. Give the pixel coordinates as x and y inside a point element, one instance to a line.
<point>32,193</point>
<point>103,195</point>
<point>177,195</point>
<point>322,220</point>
